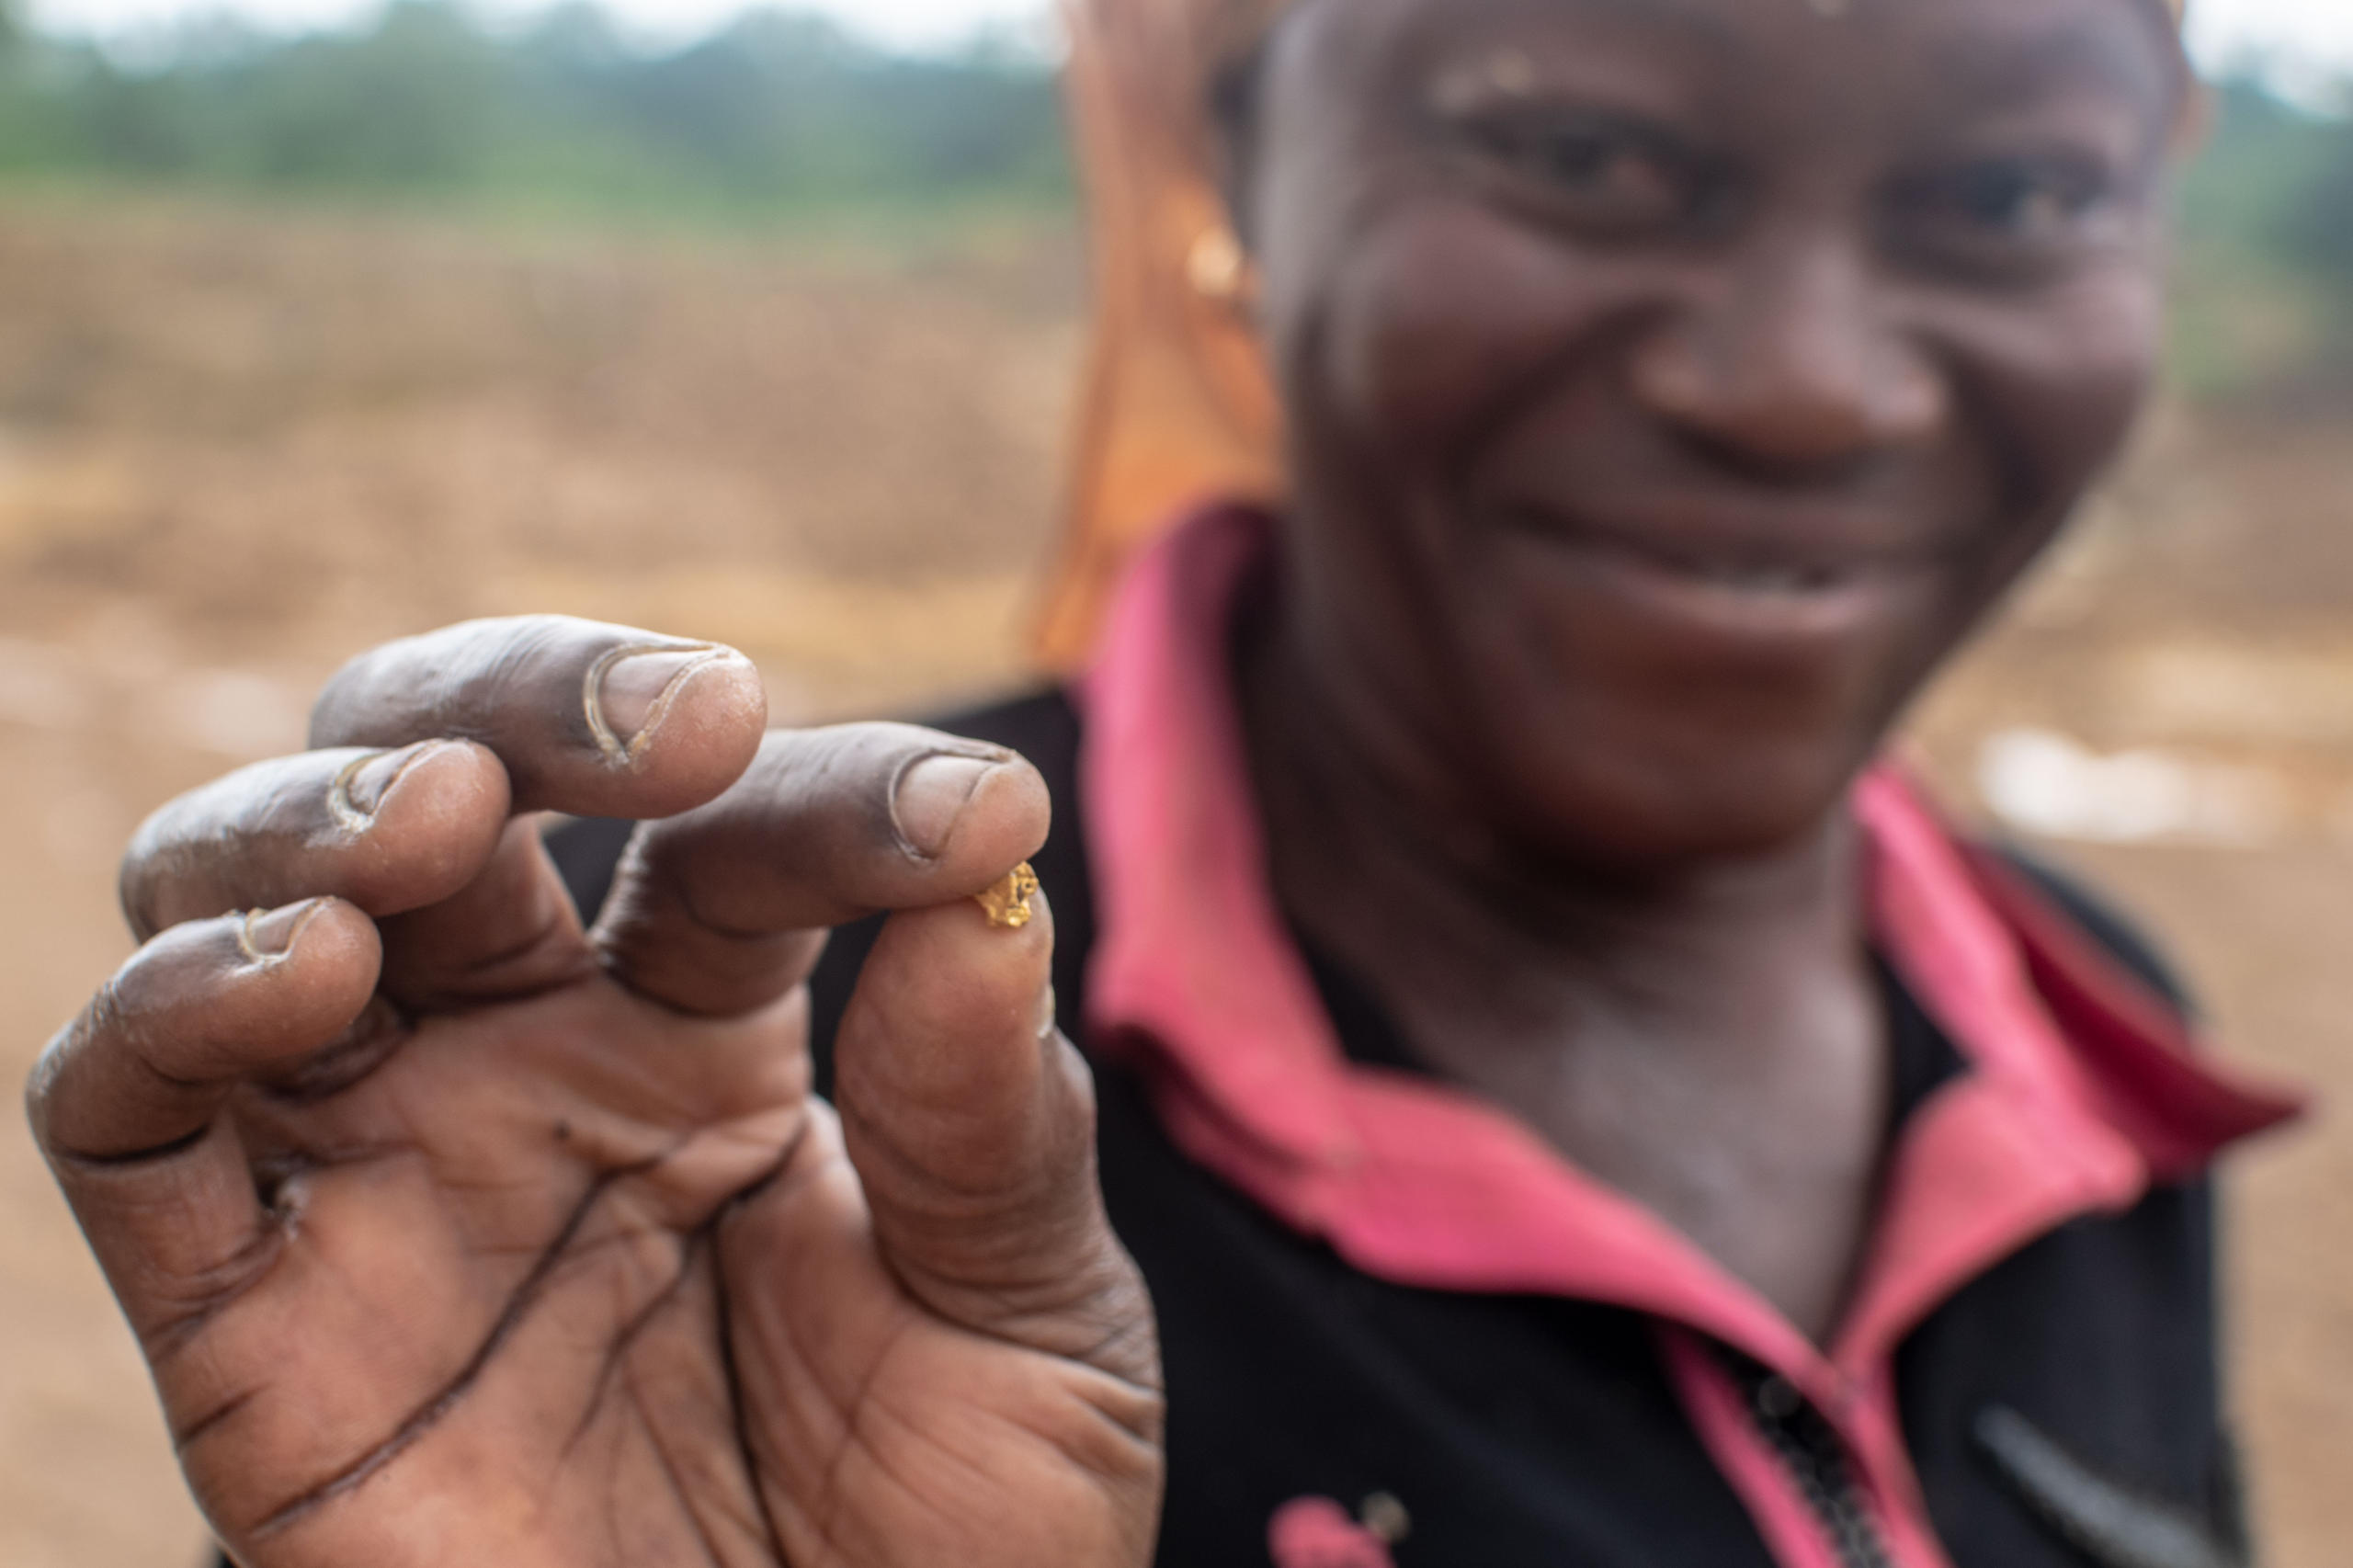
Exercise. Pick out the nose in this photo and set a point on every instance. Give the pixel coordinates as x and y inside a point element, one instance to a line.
<point>1788,364</point>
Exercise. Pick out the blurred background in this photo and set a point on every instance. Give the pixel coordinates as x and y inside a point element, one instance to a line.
<point>322,324</point>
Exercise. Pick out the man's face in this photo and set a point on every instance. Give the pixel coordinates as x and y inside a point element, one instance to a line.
<point>1673,383</point>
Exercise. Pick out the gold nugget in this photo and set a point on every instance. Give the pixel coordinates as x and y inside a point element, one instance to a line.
<point>1007,904</point>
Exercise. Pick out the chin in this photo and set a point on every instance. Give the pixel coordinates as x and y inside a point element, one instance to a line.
<point>1638,796</point>
<point>1660,831</point>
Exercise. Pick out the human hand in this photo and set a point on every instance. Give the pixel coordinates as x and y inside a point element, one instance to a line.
<point>455,1233</point>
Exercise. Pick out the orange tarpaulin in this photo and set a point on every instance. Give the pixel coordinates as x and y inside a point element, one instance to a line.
<point>1177,405</point>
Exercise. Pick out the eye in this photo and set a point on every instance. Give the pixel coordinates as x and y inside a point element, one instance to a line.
<point>1600,173</point>
<point>2024,200</point>
<point>2006,212</point>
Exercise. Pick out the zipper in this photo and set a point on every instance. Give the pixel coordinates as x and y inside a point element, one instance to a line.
<point>1812,1452</point>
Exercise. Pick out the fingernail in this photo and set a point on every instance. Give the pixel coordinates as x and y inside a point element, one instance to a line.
<point>631,688</point>
<point>364,785</point>
<point>931,796</point>
<point>272,932</point>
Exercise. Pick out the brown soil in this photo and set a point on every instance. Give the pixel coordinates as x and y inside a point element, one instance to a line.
<point>235,448</point>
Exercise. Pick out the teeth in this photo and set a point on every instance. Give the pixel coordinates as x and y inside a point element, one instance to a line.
<point>1766,579</point>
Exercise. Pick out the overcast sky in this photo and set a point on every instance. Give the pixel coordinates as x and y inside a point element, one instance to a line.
<point>2310,35</point>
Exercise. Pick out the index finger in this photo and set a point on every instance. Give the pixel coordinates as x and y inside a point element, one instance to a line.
<point>719,911</point>
<point>588,717</point>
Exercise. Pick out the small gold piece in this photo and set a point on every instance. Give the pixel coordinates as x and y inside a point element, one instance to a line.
<point>1007,904</point>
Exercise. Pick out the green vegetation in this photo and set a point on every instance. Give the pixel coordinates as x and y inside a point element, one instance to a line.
<point>2264,294</point>
<point>784,118</point>
<point>776,117</point>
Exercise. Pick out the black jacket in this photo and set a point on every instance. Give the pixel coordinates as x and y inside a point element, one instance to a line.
<point>2063,1411</point>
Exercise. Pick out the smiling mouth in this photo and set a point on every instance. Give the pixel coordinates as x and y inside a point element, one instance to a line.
<point>1762,578</point>
<point>1762,568</point>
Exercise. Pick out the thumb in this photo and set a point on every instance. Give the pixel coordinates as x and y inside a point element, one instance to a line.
<point>970,1120</point>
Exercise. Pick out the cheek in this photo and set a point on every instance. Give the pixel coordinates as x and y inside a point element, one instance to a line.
<point>1425,331</point>
<point>2059,385</point>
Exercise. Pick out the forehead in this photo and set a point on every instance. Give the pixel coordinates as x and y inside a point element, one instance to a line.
<point>1928,54</point>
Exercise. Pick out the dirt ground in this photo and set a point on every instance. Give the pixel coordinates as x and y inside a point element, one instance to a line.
<point>233,449</point>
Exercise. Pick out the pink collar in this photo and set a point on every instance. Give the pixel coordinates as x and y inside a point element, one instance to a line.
<point>2082,1090</point>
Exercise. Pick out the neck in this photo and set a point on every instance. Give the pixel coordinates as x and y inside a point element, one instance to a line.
<point>1704,1036</point>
